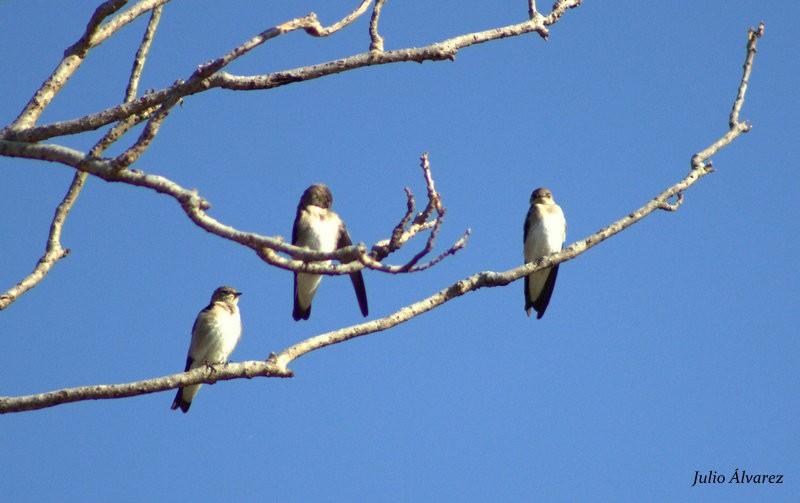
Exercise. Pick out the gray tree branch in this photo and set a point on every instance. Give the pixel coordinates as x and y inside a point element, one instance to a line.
<point>277,365</point>
<point>53,250</point>
<point>18,140</point>
<point>209,75</point>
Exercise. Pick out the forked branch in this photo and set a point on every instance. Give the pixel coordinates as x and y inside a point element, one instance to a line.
<point>277,365</point>
<point>53,250</point>
<point>22,138</point>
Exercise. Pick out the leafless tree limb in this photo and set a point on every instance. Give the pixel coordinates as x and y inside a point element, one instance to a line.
<point>318,30</point>
<point>376,41</point>
<point>277,365</point>
<point>141,54</point>
<point>17,141</point>
<point>209,75</point>
<point>208,374</point>
<point>73,57</point>
<point>403,232</point>
<point>53,250</point>
<point>700,167</point>
<point>532,12</point>
<point>195,206</point>
<point>747,67</point>
<point>122,19</point>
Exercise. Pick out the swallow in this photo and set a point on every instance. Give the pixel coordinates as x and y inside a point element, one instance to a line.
<point>215,334</point>
<point>544,233</point>
<point>318,228</point>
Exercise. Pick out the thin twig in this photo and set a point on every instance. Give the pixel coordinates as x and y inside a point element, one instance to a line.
<point>317,30</point>
<point>747,67</point>
<point>141,54</point>
<point>122,19</point>
<point>398,232</point>
<point>397,269</point>
<point>132,154</point>
<point>53,250</point>
<point>376,40</point>
<point>532,12</point>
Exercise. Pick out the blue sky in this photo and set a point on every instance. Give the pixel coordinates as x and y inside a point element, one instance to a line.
<point>670,348</point>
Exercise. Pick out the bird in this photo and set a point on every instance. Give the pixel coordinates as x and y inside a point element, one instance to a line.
<point>544,233</point>
<point>318,228</point>
<point>215,334</point>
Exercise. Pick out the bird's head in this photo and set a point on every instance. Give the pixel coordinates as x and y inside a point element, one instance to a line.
<point>542,195</point>
<point>317,195</point>
<point>226,294</point>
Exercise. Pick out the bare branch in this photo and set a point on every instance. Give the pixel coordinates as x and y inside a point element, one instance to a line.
<point>376,41</point>
<point>437,226</point>
<point>149,133</point>
<point>532,12</point>
<point>209,76</point>
<point>124,18</point>
<point>401,234</point>
<point>559,8</point>
<point>440,51</point>
<point>174,93</point>
<point>397,269</point>
<point>53,250</point>
<point>141,54</point>
<point>194,206</point>
<point>73,57</point>
<point>494,279</point>
<point>752,38</point>
<point>313,262</point>
<point>317,30</point>
<point>207,374</point>
<point>277,365</point>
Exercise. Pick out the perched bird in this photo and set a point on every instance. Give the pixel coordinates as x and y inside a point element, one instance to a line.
<point>215,333</point>
<point>317,227</point>
<point>544,233</point>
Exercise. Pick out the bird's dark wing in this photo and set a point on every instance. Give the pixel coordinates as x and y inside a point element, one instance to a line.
<point>356,278</point>
<point>528,301</point>
<point>298,313</point>
<point>189,362</point>
<point>295,228</point>
<point>179,401</point>
<point>540,304</point>
<point>525,226</point>
<point>361,292</point>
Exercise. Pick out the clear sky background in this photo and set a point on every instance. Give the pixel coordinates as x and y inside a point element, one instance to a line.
<point>670,348</point>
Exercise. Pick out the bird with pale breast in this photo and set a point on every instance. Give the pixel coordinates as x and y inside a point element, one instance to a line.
<point>319,228</point>
<point>544,232</point>
<point>215,334</point>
